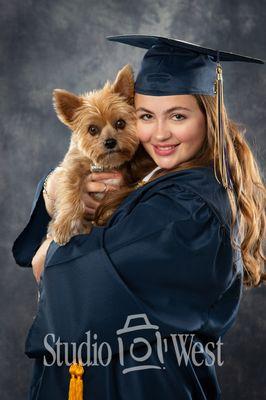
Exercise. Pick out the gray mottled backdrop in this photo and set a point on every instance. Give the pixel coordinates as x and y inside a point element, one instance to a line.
<point>61,44</point>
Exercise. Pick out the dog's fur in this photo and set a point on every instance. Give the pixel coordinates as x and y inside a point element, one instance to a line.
<point>103,125</point>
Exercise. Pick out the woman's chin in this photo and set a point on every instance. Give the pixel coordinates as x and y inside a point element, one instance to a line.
<point>166,162</point>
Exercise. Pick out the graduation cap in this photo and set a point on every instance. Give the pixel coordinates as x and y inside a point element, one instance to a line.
<point>172,67</point>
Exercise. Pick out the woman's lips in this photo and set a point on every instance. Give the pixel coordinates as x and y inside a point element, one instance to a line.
<point>165,150</point>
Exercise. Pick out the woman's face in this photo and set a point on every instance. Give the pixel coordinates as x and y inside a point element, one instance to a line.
<point>171,128</point>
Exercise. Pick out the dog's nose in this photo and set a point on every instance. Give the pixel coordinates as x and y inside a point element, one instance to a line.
<point>110,143</point>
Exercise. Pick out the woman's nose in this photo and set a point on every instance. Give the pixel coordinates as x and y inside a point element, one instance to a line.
<point>162,131</point>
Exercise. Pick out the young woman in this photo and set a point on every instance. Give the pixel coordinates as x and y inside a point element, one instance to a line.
<point>174,255</point>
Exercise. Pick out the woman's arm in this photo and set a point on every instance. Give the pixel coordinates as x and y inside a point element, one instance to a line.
<point>29,240</point>
<point>168,258</point>
<point>33,237</point>
<point>39,258</point>
<point>94,184</point>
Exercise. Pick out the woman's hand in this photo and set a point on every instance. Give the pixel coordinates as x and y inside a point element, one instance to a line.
<point>97,182</point>
<point>39,258</point>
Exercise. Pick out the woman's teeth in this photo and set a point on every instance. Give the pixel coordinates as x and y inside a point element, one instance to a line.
<point>166,148</point>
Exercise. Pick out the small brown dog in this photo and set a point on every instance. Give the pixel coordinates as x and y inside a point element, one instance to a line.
<point>103,125</point>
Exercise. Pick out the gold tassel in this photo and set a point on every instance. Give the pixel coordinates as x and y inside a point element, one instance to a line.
<point>220,153</point>
<point>75,391</point>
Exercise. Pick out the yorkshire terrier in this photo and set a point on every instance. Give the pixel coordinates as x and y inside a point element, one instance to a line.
<point>103,125</point>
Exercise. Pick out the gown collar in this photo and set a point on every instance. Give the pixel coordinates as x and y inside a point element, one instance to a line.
<point>148,176</point>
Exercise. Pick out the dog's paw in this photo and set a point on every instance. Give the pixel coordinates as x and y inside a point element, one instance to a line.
<point>61,239</point>
<point>60,232</point>
<point>63,231</point>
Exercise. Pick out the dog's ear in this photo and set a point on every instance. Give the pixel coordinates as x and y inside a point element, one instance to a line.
<point>65,105</point>
<point>124,83</point>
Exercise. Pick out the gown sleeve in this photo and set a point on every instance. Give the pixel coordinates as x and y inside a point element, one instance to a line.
<point>174,256</point>
<point>30,239</point>
<point>167,260</point>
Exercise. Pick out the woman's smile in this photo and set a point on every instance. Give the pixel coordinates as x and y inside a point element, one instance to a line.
<point>165,150</point>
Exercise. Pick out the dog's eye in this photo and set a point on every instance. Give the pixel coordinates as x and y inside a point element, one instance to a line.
<point>120,124</point>
<point>93,129</point>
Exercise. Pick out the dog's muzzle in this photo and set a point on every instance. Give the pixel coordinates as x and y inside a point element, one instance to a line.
<point>110,143</point>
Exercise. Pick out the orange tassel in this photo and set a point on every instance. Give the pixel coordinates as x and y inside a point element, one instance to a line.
<point>75,391</point>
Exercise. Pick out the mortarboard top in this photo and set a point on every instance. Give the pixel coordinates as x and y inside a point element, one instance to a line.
<point>173,66</point>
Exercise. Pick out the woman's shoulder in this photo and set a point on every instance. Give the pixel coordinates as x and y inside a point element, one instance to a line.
<point>193,190</point>
<point>162,202</point>
<point>168,211</point>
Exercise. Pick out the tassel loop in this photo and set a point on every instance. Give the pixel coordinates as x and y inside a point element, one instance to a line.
<point>76,382</point>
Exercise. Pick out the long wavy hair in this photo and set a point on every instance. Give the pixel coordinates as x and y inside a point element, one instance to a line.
<point>249,200</point>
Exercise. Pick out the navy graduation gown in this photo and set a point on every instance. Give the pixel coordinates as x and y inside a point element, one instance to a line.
<point>164,265</point>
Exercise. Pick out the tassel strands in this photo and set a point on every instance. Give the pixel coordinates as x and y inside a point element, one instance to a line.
<point>76,382</point>
<point>220,151</point>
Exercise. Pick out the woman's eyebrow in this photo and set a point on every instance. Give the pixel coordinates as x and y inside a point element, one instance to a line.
<point>176,108</point>
<point>165,112</point>
<point>144,109</point>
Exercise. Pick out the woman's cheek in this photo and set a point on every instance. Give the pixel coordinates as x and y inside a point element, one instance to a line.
<point>187,133</point>
<point>143,132</point>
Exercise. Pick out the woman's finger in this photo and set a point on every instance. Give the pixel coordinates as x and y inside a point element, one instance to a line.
<point>98,176</point>
<point>89,201</point>
<point>89,211</point>
<point>100,187</point>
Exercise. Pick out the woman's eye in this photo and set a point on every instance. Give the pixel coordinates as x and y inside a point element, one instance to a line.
<point>179,117</point>
<point>120,124</point>
<point>145,117</point>
<point>93,130</point>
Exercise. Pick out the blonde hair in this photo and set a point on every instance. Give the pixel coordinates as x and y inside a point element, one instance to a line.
<point>248,202</point>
